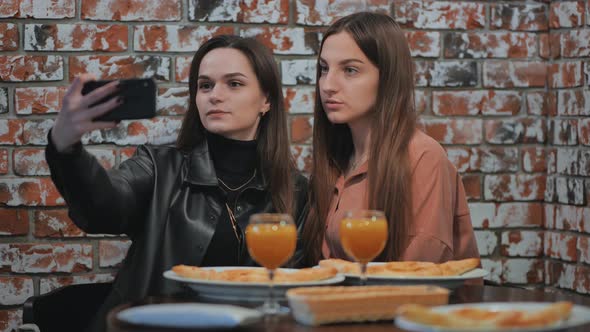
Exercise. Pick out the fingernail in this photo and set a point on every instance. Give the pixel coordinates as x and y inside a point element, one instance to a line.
<point>120,99</point>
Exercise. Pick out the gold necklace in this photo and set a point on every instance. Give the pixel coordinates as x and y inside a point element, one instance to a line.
<point>240,187</point>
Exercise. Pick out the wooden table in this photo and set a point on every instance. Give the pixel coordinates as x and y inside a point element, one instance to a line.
<point>463,294</point>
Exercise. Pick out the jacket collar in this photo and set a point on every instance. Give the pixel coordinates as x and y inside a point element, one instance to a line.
<point>201,170</point>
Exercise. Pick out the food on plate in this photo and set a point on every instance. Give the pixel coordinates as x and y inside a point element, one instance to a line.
<point>254,274</point>
<point>332,304</point>
<point>405,269</point>
<point>473,318</point>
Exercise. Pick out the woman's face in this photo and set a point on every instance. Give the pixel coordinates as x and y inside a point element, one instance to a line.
<point>349,80</point>
<point>229,97</point>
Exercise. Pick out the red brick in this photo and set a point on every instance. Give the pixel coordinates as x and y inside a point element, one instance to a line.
<point>8,36</point>
<point>541,103</point>
<point>490,45</point>
<point>38,100</point>
<point>174,38</point>
<point>20,68</point>
<point>583,246</point>
<point>484,159</point>
<point>550,195</point>
<point>422,71</point>
<point>523,271</point>
<point>172,101</point>
<point>301,129</point>
<point>551,161</point>
<point>313,12</point>
<point>159,130</point>
<point>299,99</point>
<point>584,131</point>
<point>35,131</point>
<point>3,161</point>
<point>264,11</point>
<point>472,184</point>
<point>11,131</point>
<point>549,216</point>
<point>15,290</point>
<point>424,43</point>
<point>422,101</point>
<point>566,14</point>
<point>302,155</point>
<point>29,191</point>
<point>572,218</point>
<point>515,214</point>
<point>10,319</point>
<point>3,100</point>
<point>568,161</point>
<point>38,9</point>
<point>123,66</point>
<point>533,159</point>
<point>522,243</point>
<point>127,153</point>
<point>486,242</point>
<point>283,40</point>
<point>550,45</point>
<point>475,102</point>
<point>453,74</point>
<point>75,37</point>
<point>494,268</point>
<point>582,279</point>
<point>584,164</point>
<point>565,75</point>
<point>522,17</point>
<point>147,10</point>
<point>183,66</point>
<point>299,71</point>
<point>106,157</point>
<point>570,190</point>
<point>514,74</point>
<point>455,131</point>
<point>46,285</point>
<point>564,131</point>
<point>14,222</point>
<point>561,246</point>
<point>30,162</point>
<point>440,14</point>
<point>513,131</point>
<point>521,187</point>
<point>112,252</point>
<point>46,258</point>
<point>482,214</point>
<point>575,43</point>
<point>573,102</point>
<point>55,223</point>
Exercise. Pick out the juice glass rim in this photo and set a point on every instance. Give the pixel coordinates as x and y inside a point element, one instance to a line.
<point>363,213</point>
<point>270,218</point>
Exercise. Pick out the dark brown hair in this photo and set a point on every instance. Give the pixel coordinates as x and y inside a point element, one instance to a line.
<point>393,124</point>
<point>275,159</point>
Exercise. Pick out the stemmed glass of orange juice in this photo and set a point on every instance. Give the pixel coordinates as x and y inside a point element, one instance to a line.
<point>271,240</point>
<point>363,235</point>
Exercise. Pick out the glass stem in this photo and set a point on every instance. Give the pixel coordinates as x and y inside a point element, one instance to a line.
<point>272,302</point>
<point>363,274</point>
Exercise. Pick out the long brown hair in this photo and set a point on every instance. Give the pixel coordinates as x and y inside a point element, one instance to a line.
<point>275,159</point>
<point>393,124</point>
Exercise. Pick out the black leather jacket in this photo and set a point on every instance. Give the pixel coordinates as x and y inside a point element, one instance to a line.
<point>159,188</point>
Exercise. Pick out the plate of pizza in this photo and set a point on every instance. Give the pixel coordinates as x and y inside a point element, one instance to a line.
<point>496,316</point>
<point>249,283</point>
<point>450,274</point>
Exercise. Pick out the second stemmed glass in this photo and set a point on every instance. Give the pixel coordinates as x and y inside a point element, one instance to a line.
<point>363,235</point>
<point>271,240</point>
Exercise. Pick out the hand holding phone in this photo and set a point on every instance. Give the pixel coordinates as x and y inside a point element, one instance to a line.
<point>138,99</point>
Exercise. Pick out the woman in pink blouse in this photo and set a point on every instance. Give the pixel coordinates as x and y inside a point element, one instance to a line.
<point>369,154</point>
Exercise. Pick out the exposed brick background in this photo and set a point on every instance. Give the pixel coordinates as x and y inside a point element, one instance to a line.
<point>504,86</point>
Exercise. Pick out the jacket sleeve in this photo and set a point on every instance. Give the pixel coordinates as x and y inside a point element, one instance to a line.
<point>101,201</point>
<point>300,216</point>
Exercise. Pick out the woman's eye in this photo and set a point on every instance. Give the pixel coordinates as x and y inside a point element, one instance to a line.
<point>235,84</point>
<point>350,70</point>
<point>204,86</point>
<point>323,69</point>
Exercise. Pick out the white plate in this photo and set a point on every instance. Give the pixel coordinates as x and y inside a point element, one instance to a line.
<point>580,315</point>
<point>189,315</point>
<point>251,291</point>
<point>442,281</point>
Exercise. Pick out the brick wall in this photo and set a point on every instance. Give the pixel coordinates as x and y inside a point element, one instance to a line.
<point>504,86</point>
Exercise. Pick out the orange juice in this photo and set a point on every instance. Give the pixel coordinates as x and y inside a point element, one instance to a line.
<point>363,238</point>
<point>271,244</point>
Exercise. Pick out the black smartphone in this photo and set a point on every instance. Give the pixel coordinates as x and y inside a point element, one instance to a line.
<point>139,99</point>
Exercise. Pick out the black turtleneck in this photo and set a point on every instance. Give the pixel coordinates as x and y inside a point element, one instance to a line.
<point>235,162</point>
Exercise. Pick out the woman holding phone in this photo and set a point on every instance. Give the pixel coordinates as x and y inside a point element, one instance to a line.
<point>188,203</point>
<point>369,154</point>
